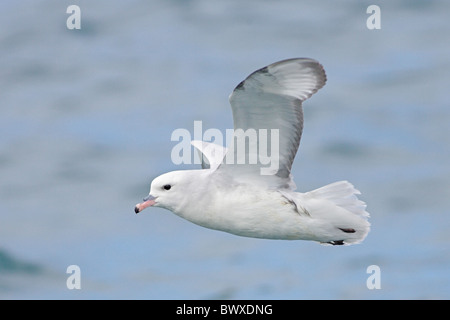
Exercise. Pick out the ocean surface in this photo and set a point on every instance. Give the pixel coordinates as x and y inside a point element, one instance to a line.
<point>86,118</point>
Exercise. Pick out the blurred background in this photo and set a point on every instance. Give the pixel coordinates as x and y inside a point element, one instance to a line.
<point>86,118</point>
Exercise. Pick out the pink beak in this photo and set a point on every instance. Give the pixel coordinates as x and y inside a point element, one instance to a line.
<point>148,202</point>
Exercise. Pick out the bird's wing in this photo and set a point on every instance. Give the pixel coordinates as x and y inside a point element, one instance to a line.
<point>211,154</point>
<point>268,105</point>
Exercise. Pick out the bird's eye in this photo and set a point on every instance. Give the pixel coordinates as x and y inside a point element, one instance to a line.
<point>167,187</point>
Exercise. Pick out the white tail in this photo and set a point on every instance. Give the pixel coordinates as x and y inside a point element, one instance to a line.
<point>342,217</point>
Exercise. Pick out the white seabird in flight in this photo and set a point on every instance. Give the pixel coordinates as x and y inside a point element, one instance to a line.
<point>233,195</point>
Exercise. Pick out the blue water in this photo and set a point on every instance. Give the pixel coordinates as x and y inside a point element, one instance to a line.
<point>86,118</point>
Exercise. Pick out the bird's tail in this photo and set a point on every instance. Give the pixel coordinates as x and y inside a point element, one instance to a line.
<point>338,215</point>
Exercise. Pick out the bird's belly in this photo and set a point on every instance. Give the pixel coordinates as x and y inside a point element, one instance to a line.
<point>268,219</point>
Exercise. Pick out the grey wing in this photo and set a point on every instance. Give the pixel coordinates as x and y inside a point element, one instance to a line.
<point>271,98</point>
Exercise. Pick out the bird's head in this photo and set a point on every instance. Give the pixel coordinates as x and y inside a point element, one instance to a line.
<point>167,191</point>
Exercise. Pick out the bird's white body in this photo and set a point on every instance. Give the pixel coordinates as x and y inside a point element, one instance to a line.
<point>237,198</point>
<point>216,201</point>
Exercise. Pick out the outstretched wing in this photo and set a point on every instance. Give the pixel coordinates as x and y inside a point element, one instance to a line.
<point>268,103</point>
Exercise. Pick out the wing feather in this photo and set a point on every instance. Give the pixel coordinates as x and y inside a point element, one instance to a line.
<point>271,98</point>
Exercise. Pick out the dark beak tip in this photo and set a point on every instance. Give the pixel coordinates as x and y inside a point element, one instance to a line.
<point>136,210</point>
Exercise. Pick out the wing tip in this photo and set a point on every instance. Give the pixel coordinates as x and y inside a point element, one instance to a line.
<point>314,66</point>
<point>311,71</point>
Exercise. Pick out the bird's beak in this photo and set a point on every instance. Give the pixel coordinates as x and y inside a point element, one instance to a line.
<point>147,202</point>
